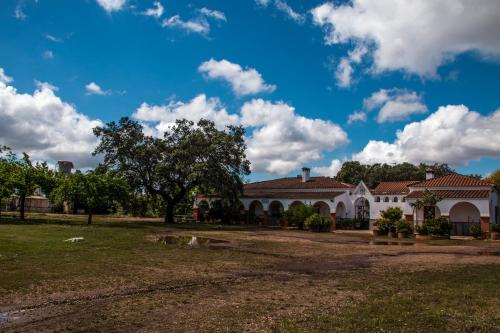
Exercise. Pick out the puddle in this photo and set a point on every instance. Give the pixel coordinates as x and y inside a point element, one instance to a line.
<point>194,242</point>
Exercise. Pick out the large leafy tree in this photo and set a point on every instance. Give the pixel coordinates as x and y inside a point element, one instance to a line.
<point>188,157</point>
<point>93,189</point>
<point>494,178</point>
<point>353,172</point>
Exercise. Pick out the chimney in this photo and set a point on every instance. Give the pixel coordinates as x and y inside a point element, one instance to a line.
<point>429,174</point>
<point>305,174</point>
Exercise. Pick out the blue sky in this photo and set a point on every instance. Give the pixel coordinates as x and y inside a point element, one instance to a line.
<point>291,72</point>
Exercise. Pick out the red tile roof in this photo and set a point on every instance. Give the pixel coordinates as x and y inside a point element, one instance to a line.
<point>292,195</point>
<point>453,194</point>
<point>400,187</point>
<point>292,183</point>
<point>452,180</point>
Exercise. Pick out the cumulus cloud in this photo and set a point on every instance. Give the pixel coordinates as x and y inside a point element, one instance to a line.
<point>285,8</point>
<point>279,140</point>
<point>345,69</point>
<point>356,116</point>
<point>243,81</point>
<point>45,127</point>
<point>157,11</point>
<point>329,171</point>
<point>4,78</point>
<point>112,5</point>
<point>93,88</point>
<point>282,141</point>
<point>164,116</point>
<point>394,104</point>
<point>413,36</point>
<point>453,134</point>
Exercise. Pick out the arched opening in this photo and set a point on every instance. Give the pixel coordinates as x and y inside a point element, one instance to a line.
<point>256,212</point>
<point>203,209</point>
<point>395,199</point>
<point>377,199</point>
<point>386,199</point>
<point>295,204</point>
<point>463,216</point>
<point>362,213</point>
<point>322,208</point>
<point>276,210</point>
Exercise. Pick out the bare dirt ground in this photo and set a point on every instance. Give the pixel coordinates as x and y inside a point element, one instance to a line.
<point>259,281</point>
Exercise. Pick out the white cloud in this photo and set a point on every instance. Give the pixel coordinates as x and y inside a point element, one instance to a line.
<point>19,13</point>
<point>196,25</point>
<point>394,104</point>
<point>345,69</point>
<point>53,38</point>
<point>243,81</point>
<point>283,7</point>
<point>164,116</point>
<point>413,36</point>
<point>4,78</point>
<point>282,141</point>
<point>112,5</point>
<point>329,171</point>
<point>45,127</point>
<point>157,11</point>
<point>93,88</point>
<point>356,116</point>
<point>215,14</point>
<point>453,134</point>
<point>48,55</point>
<point>279,141</point>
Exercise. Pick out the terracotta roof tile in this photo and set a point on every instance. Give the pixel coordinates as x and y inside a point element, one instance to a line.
<point>292,195</point>
<point>399,187</point>
<point>296,183</point>
<point>453,194</point>
<point>452,180</point>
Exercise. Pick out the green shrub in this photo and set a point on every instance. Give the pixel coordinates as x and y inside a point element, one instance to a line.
<point>495,228</point>
<point>475,231</point>
<point>318,223</point>
<point>404,226</point>
<point>385,225</point>
<point>439,227</point>
<point>389,219</point>
<point>296,215</point>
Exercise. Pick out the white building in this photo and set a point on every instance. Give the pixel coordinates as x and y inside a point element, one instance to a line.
<point>465,200</point>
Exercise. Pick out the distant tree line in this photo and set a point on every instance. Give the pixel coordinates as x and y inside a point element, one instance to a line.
<point>353,172</point>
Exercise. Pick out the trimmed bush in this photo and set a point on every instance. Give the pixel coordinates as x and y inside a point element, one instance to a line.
<point>404,226</point>
<point>437,227</point>
<point>318,223</point>
<point>495,228</point>
<point>475,231</point>
<point>296,215</point>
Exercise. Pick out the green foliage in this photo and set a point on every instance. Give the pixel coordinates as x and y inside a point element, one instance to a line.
<point>389,219</point>
<point>92,189</point>
<point>494,178</point>
<point>189,157</point>
<point>495,228</point>
<point>353,172</point>
<point>318,223</point>
<point>439,227</point>
<point>297,214</point>
<point>404,226</point>
<point>428,199</point>
<point>475,231</point>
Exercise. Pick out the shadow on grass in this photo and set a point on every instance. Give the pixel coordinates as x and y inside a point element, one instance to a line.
<point>114,222</point>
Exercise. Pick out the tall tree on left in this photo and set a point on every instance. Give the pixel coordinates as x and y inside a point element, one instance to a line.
<point>6,165</point>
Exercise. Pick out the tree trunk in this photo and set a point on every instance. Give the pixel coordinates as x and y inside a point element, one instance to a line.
<point>169,213</point>
<point>89,220</point>
<point>22,202</point>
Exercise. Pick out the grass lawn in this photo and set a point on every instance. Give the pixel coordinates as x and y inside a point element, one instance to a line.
<point>121,278</point>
